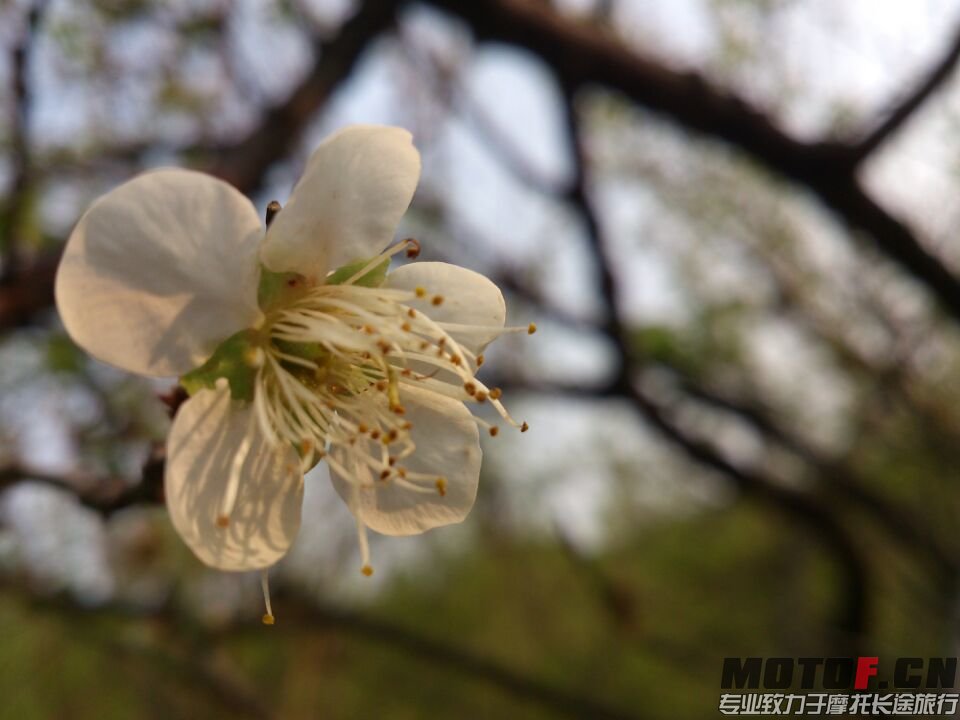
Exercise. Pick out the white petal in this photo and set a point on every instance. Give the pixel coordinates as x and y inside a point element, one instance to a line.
<point>469,298</point>
<point>356,187</point>
<point>448,446</point>
<point>209,431</point>
<point>159,271</point>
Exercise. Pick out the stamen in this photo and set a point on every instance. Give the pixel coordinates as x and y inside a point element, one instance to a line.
<point>268,618</point>
<point>366,568</point>
<point>531,328</point>
<point>413,248</point>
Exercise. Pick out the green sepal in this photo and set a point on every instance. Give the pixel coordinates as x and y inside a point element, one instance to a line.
<point>278,288</point>
<point>308,351</point>
<point>372,278</point>
<point>231,360</point>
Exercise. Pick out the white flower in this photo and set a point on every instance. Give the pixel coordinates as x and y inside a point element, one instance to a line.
<point>295,345</point>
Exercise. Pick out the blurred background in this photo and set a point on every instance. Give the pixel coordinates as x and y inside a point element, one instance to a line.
<point>735,223</point>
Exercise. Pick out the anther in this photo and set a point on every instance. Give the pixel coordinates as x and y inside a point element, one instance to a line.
<point>442,486</point>
<point>480,396</point>
<point>392,435</point>
<point>399,410</point>
<point>375,435</point>
<point>455,359</point>
<point>479,360</point>
<point>253,357</point>
<point>268,619</point>
<point>496,393</point>
<point>437,300</point>
<point>368,329</point>
<point>273,207</point>
<point>494,430</point>
<point>531,328</point>
<point>223,521</point>
<point>406,327</point>
<point>391,461</point>
<point>524,427</point>
<point>413,248</point>
<point>420,292</point>
<point>367,570</point>
<point>411,312</point>
<point>470,388</point>
<point>362,429</point>
<point>384,474</point>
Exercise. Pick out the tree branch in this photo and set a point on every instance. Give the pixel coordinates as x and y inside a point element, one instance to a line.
<point>903,110</point>
<point>244,164</point>
<point>580,54</point>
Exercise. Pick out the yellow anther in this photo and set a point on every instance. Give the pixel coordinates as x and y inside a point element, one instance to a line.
<point>392,435</point>
<point>424,345</point>
<point>406,327</point>
<point>524,427</point>
<point>368,329</point>
<point>494,430</point>
<point>402,472</point>
<point>367,570</point>
<point>496,393</point>
<point>375,435</point>
<point>381,385</point>
<point>306,446</point>
<point>437,300</point>
<point>455,359</point>
<point>399,410</point>
<point>479,359</point>
<point>411,312</point>
<point>531,328</point>
<point>362,428</point>
<point>442,486</point>
<point>470,388</point>
<point>253,357</point>
<point>480,396</point>
<point>420,292</point>
<point>223,521</point>
<point>268,619</point>
<point>407,372</point>
<point>407,425</point>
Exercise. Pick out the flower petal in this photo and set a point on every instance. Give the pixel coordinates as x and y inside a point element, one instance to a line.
<point>208,433</point>
<point>355,188</point>
<point>469,298</point>
<point>448,446</point>
<point>159,271</point>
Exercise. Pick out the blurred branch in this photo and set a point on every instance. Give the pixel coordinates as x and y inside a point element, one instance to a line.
<point>28,291</point>
<point>244,164</point>
<point>817,516</point>
<point>902,111</point>
<point>16,204</point>
<point>104,495</point>
<point>582,54</point>
<point>301,615</point>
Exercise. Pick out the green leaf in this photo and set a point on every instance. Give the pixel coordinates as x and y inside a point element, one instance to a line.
<point>372,278</point>
<point>231,361</point>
